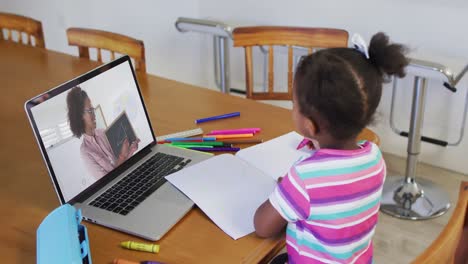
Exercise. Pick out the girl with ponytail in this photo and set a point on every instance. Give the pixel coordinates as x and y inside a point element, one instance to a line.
<point>329,200</point>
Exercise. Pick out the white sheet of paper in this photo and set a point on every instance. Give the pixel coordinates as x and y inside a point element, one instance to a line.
<point>275,156</point>
<point>227,189</point>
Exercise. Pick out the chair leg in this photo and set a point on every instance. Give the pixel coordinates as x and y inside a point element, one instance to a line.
<point>280,259</point>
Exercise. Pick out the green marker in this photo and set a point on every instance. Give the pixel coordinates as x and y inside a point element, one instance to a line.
<point>205,143</point>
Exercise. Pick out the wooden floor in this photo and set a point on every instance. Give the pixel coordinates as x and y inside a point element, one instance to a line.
<point>400,241</point>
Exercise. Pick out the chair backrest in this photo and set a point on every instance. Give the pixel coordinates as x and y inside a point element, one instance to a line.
<point>451,246</point>
<point>310,38</point>
<point>115,43</point>
<point>26,27</point>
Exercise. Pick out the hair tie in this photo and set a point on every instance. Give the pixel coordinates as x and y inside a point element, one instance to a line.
<point>360,45</point>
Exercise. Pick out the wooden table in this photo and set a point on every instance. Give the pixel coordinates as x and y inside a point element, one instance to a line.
<point>26,191</point>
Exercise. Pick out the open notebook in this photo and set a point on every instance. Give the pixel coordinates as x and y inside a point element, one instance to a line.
<point>229,188</point>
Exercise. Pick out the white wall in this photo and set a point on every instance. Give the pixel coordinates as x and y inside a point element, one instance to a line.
<point>168,53</point>
<point>433,29</point>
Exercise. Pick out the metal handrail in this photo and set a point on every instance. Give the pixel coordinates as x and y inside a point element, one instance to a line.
<point>221,34</point>
<point>185,24</point>
<point>421,66</point>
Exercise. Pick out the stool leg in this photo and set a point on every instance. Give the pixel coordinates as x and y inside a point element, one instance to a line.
<point>221,67</point>
<point>406,198</point>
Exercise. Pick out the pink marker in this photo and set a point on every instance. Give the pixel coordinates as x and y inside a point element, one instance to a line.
<point>303,143</point>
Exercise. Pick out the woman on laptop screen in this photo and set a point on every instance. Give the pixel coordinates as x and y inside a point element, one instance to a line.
<point>95,149</point>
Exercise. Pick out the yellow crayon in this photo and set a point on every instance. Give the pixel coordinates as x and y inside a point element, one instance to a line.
<point>153,248</point>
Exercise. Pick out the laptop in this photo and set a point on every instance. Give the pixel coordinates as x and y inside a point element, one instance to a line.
<point>102,155</point>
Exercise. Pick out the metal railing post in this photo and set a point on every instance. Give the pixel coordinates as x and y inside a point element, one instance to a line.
<point>221,35</point>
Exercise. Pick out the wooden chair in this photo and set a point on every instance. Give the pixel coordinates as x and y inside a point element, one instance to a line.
<point>24,26</point>
<point>309,38</point>
<point>451,246</point>
<point>115,43</point>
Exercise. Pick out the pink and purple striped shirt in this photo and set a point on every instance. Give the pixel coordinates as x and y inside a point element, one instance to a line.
<point>331,200</point>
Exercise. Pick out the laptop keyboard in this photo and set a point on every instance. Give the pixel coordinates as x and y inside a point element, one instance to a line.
<point>134,188</point>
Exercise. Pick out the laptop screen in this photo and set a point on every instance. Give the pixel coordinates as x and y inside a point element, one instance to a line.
<point>91,125</point>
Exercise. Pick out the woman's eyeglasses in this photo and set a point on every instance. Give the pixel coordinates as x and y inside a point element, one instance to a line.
<point>91,111</point>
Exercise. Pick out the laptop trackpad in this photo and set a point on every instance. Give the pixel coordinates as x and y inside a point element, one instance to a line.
<point>168,193</point>
<point>159,212</point>
<point>151,219</point>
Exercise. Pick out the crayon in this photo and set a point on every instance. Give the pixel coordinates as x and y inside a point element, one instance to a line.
<point>153,248</point>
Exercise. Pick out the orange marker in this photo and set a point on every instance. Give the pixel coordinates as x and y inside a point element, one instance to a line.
<point>243,141</point>
<point>123,261</point>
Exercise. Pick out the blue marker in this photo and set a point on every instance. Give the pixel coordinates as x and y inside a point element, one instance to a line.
<point>201,139</point>
<point>198,121</point>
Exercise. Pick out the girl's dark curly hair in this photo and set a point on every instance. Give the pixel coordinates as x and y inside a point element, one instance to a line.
<point>75,102</point>
<point>344,87</point>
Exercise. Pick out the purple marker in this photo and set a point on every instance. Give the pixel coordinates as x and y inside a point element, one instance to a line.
<point>215,149</point>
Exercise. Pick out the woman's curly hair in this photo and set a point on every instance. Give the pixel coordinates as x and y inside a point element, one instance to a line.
<point>75,102</point>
